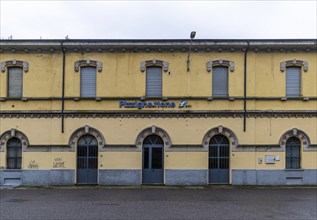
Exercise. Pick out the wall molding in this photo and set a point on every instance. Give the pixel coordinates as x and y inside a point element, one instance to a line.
<point>14,63</point>
<point>223,131</point>
<point>77,134</point>
<point>302,136</point>
<point>220,62</point>
<point>87,62</point>
<point>153,130</point>
<point>153,62</point>
<point>294,62</point>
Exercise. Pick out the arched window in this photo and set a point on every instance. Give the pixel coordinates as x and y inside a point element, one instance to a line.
<point>293,153</point>
<point>14,153</point>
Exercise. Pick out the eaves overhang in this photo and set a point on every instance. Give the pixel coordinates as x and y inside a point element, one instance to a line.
<point>199,45</point>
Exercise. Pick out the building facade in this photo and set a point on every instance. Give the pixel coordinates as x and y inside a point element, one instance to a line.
<point>131,112</point>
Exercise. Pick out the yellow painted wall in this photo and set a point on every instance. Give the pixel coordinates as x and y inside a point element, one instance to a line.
<point>121,77</point>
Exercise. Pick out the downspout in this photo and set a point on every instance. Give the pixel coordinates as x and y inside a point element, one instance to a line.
<point>63,86</point>
<point>245,89</point>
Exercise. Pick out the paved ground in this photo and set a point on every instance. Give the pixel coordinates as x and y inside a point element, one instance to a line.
<point>159,203</point>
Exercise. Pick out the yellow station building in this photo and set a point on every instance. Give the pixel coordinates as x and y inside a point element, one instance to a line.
<point>173,112</point>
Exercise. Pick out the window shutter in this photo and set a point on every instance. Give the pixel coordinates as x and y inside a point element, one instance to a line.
<point>220,81</point>
<point>153,81</point>
<point>15,79</point>
<point>293,81</point>
<point>88,81</point>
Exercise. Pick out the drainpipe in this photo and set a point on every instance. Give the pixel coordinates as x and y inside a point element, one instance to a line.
<point>63,86</point>
<point>245,89</point>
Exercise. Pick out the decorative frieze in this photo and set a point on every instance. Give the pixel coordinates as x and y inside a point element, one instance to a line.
<point>147,63</point>
<point>228,63</point>
<point>80,63</point>
<point>294,62</point>
<point>14,63</point>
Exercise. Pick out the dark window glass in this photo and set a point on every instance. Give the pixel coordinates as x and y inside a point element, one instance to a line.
<point>157,154</point>
<point>87,152</point>
<point>146,158</point>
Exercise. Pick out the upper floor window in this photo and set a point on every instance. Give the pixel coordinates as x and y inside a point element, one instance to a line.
<point>154,74</point>
<point>15,81</point>
<point>220,81</point>
<point>88,76</point>
<point>293,76</point>
<point>14,153</point>
<point>88,81</point>
<point>154,81</point>
<point>15,69</point>
<point>220,76</point>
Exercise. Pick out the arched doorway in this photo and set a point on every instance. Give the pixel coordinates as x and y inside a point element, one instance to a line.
<point>14,153</point>
<point>153,155</point>
<point>219,150</point>
<point>293,153</point>
<point>87,160</point>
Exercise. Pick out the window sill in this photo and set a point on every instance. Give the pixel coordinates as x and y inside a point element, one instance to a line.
<point>299,169</point>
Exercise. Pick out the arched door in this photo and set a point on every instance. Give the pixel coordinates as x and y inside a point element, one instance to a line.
<point>153,165</point>
<point>87,160</point>
<point>293,153</point>
<point>219,150</point>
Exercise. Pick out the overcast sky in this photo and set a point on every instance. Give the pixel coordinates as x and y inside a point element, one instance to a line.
<point>158,19</point>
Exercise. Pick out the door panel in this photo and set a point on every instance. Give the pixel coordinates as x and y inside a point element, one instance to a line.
<point>153,164</point>
<point>219,160</point>
<point>87,160</point>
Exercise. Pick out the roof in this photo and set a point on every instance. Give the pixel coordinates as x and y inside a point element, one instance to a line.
<point>160,45</point>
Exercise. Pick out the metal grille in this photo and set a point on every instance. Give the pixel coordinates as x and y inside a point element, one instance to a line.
<point>87,152</point>
<point>153,139</point>
<point>154,81</point>
<point>293,153</point>
<point>14,153</point>
<point>219,152</point>
<point>15,79</point>
<point>220,81</point>
<point>88,81</point>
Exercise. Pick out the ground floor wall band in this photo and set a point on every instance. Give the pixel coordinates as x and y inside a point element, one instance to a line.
<point>172,177</point>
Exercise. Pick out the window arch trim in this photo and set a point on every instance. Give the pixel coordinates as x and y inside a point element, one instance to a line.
<point>87,62</point>
<point>234,142</point>
<point>302,136</point>
<point>14,63</point>
<point>153,62</point>
<point>13,133</point>
<point>153,130</point>
<point>77,134</point>
<point>228,63</point>
<point>294,62</point>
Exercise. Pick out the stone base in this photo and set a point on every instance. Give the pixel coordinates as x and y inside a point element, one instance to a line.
<point>119,177</point>
<point>186,177</point>
<point>36,177</point>
<point>274,177</point>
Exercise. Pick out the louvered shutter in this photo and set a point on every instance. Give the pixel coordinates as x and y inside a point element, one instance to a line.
<point>15,79</point>
<point>220,81</point>
<point>293,81</point>
<point>88,81</point>
<point>153,81</point>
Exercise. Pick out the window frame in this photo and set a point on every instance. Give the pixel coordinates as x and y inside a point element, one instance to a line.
<point>8,83</point>
<point>146,85</point>
<point>291,158</point>
<point>300,82</point>
<point>15,158</point>
<point>80,82</point>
